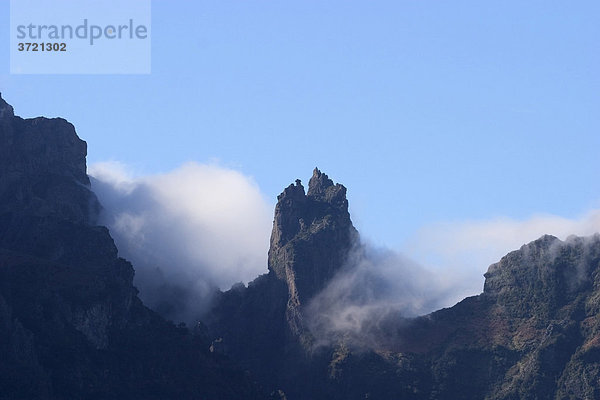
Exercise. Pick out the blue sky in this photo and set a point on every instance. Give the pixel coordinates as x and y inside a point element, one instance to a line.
<point>429,112</point>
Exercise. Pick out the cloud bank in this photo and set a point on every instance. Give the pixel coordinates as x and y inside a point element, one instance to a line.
<point>467,248</point>
<point>187,232</point>
<point>202,227</point>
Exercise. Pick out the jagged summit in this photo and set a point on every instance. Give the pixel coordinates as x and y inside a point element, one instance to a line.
<point>320,187</point>
<point>318,183</point>
<point>296,209</point>
<point>312,235</point>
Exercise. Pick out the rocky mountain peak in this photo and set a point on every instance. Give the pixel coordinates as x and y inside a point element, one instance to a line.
<point>43,168</point>
<point>320,187</point>
<point>293,191</point>
<point>319,182</point>
<point>312,234</point>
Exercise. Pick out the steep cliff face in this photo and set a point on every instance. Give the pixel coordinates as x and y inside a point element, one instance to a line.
<point>43,169</point>
<point>47,223</point>
<point>262,326</point>
<point>71,324</point>
<point>312,235</point>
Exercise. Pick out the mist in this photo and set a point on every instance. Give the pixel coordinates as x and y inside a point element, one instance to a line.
<point>379,288</point>
<point>187,232</point>
<point>468,248</point>
<point>372,293</point>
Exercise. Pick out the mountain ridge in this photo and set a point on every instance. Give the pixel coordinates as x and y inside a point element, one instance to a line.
<point>72,326</point>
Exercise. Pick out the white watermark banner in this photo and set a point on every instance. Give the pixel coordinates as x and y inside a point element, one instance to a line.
<point>80,37</point>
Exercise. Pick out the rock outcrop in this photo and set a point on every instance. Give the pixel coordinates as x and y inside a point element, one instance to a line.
<point>312,235</point>
<point>43,169</point>
<point>262,326</point>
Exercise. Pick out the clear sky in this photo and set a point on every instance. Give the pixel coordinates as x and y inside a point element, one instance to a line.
<point>428,111</point>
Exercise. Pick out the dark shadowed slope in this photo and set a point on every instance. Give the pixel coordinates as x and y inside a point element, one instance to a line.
<point>71,324</point>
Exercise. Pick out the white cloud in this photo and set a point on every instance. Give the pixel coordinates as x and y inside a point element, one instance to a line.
<point>375,287</point>
<point>464,250</point>
<point>185,231</point>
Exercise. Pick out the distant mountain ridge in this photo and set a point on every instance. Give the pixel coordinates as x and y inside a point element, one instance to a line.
<point>72,326</point>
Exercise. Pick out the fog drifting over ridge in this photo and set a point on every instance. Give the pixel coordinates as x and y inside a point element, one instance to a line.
<point>187,232</point>
<point>202,227</point>
<point>378,286</point>
<point>467,248</point>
